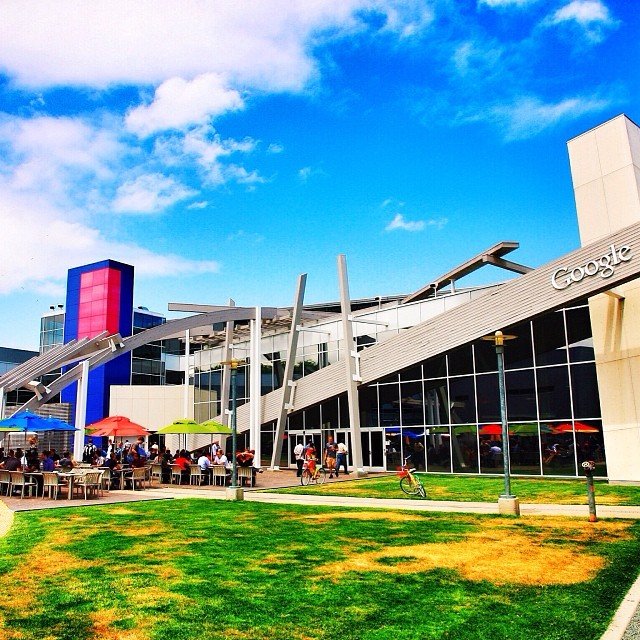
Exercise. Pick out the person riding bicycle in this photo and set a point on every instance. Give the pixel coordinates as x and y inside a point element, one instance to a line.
<point>311,458</point>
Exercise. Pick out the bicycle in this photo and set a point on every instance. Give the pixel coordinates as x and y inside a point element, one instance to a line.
<point>318,476</point>
<point>409,482</point>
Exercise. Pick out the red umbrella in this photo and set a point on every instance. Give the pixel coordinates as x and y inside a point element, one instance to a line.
<point>578,427</point>
<point>117,426</point>
<point>491,430</point>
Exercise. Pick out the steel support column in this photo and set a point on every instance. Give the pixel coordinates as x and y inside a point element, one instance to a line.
<point>296,314</point>
<point>81,412</point>
<point>255,384</point>
<point>350,354</point>
<point>227,355</point>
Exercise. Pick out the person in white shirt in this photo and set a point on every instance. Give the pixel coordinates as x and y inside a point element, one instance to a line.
<point>205,466</point>
<point>221,459</point>
<point>298,453</point>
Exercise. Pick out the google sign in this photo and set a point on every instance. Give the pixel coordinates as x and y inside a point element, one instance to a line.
<point>603,266</point>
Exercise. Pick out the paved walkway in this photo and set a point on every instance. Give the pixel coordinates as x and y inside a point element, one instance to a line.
<point>624,626</point>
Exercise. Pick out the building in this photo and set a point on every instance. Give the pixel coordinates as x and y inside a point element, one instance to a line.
<point>398,375</point>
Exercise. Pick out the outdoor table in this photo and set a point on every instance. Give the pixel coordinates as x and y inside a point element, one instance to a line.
<point>69,477</point>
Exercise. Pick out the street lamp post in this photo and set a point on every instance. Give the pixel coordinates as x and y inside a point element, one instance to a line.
<point>235,492</point>
<point>507,502</point>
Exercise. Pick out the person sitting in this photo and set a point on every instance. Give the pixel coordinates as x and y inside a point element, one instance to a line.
<point>46,461</point>
<point>66,463</point>
<point>245,458</point>
<point>205,466</point>
<point>183,461</point>
<point>310,457</point>
<point>11,462</point>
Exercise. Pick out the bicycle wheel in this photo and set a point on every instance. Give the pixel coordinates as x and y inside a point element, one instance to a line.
<point>322,476</point>
<point>305,478</point>
<point>408,486</point>
<point>420,488</point>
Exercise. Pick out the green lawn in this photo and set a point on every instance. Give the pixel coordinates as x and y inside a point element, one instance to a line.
<point>185,569</point>
<point>479,489</point>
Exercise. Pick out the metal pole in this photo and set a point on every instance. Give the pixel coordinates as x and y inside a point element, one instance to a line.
<point>589,467</point>
<point>234,426</point>
<point>503,416</point>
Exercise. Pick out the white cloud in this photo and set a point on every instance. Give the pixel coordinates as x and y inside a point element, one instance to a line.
<point>275,147</point>
<point>203,204</point>
<point>178,104</point>
<point>399,222</point>
<point>48,241</point>
<point>501,4</point>
<point>57,157</point>
<point>253,43</point>
<point>592,16</point>
<point>306,173</point>
<point>528,116</point>
<point>150,193</point>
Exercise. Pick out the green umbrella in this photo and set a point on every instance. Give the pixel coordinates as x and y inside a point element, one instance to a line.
<point>218,427</point>
<point>191,426</point>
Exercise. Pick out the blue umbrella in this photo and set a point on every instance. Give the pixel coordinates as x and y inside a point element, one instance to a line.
<point>27,421</point>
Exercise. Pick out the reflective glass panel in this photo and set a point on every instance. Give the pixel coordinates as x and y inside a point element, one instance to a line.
<point>389,398</point>
<point>462,400</point>
<point>549,339</point>
<point>488,398</point>
<point>412,403</point>
<point>521,395</point>
<point>436,399</point>
<point>579,336</point>
<point>460,361</point>
<point>553,393</point>
<point>584,389</point>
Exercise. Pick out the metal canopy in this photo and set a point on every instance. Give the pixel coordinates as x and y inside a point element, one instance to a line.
<point>492,255</point>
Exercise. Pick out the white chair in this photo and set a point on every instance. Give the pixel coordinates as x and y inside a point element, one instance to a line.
<point>19,481</point>
<point>90,482</point>
<point>106,480</point>
<point>219,473</point>
<point>195,475</point>
<point>176,474</point>
<point>245,473</point>
<point>5,481</point>
<point>51,484</point>
<point>156,472</point>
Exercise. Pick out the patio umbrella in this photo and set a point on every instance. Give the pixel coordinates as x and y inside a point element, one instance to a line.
<point>464,428</point>
<point>525,429</point>
<point>184,426</point>
<point>117,427</point>
<point>220,428</point>
<point>491,430</point>
<point>578,427</point>
<point>27,421</point>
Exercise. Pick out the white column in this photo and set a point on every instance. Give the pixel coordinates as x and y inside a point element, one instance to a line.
<point>185,397</point>
<point>350,358</point>
<point>3,399</point>
<point>255,384</point>
<point>227,355</point>
<point>81,412</point>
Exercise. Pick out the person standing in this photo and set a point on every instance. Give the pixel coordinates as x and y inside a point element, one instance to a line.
<point>298,453</point>
<point>341,458</point>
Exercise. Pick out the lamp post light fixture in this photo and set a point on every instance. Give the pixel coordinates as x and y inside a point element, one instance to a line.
<point>507,502</point>
<point>234,492</point>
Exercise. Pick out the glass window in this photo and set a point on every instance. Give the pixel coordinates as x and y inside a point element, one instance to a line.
<point>368,401</point>
<point>579,334</point>
<point>412,403</point>
<point>488,397</point>
<point>460,361</point>
<point>464,449</point>
<point>549,340</point>
<point>312,417</point>
<point>521,395</point>
<point>518,353</point>
<point>462,400</point>
<point>413,373</point>
<point>435,367</point>
<point>330,414</point>
<point>389,398</point>
<point>553,393</point>
<point>436,400</point>
<point>343,409</point>
<point>584,389</point>
<point>485,356</point>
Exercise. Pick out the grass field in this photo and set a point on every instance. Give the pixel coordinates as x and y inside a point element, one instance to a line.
<point>479,489</point>
<point>186,569</point>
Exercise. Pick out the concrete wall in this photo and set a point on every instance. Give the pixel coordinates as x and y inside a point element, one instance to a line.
<point>605,169</point>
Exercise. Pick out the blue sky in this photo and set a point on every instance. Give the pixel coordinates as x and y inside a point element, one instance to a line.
<point>223,148</point>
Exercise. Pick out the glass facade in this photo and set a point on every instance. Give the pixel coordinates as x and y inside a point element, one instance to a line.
<point>51,331</point>
<point>445,411</point>
<point>147,361</point>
